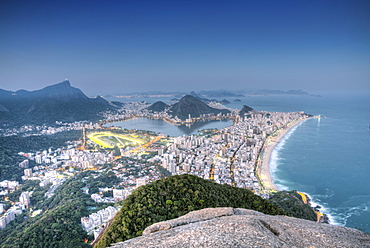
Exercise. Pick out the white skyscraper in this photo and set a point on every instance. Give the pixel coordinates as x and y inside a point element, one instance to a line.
<point>28,172</point>
<point>24,198</point>
<point>2,222</point>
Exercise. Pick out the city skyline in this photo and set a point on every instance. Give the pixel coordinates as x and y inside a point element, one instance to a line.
<point>136,46</point>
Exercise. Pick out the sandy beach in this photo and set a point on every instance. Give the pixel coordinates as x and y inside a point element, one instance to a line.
<point>270,143</point>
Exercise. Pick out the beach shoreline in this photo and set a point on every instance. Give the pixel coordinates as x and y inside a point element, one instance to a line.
<point>263,167</point>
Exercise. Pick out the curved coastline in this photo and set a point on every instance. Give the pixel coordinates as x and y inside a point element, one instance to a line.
<point>263,170</point>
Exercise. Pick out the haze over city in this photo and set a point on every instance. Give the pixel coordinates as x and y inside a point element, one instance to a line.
<point>106,47</point>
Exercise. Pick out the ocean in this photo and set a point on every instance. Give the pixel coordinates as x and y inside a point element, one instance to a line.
<point>327,158</point>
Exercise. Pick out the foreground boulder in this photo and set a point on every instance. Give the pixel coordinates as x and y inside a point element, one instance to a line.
<point>236,227</point>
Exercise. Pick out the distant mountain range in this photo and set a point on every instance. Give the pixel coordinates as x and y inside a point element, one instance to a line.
<point>278,92</point>
<point>242,93</point>
<point>193,106</point>
<point>62,102</point>
<point>59,102</point>
<point>220,93</point>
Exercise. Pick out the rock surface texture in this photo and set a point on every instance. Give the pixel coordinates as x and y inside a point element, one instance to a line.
<point>236,227</point>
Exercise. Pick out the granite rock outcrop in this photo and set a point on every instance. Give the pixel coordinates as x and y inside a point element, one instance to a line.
<point>236,227</point>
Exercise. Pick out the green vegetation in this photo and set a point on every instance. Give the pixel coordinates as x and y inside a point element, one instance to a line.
<point>158,106</point>
<point>291,202</point>
<point>145,168</point>
<point>173,197</point>
<point>209,132</point>
<point>10,172</point>
<point>59,225</point>
<point>104,180</point>
<point>30,185</point>
<point>10,147</point>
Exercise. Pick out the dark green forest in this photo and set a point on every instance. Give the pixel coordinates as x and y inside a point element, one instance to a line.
<point>59,225</point>
<point>291,202</point>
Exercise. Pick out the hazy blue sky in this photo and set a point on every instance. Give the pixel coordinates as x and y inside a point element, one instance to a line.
<point>109,46</point>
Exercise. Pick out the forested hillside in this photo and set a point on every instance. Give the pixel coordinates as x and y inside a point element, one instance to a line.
<point>59,224</point>
<point>173,197</point>
<point>292,203</point>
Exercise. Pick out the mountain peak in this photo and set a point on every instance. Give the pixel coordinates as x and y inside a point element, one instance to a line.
<point>245,110</point>
<point>190,105</point>
<point>66,83</point>
<point>158,106</point>
<point>61,91</point>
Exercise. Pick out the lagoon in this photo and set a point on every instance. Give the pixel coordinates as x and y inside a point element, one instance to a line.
<point>163,127</point>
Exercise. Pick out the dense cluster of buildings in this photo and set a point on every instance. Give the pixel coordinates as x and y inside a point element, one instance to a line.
<point>9,215</point>
<point>29,130</point>
<point>228,156</point>
<point>231,155</point>
<point>70,157</point>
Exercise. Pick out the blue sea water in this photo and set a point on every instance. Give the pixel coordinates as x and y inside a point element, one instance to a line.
<point>329,159</point>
